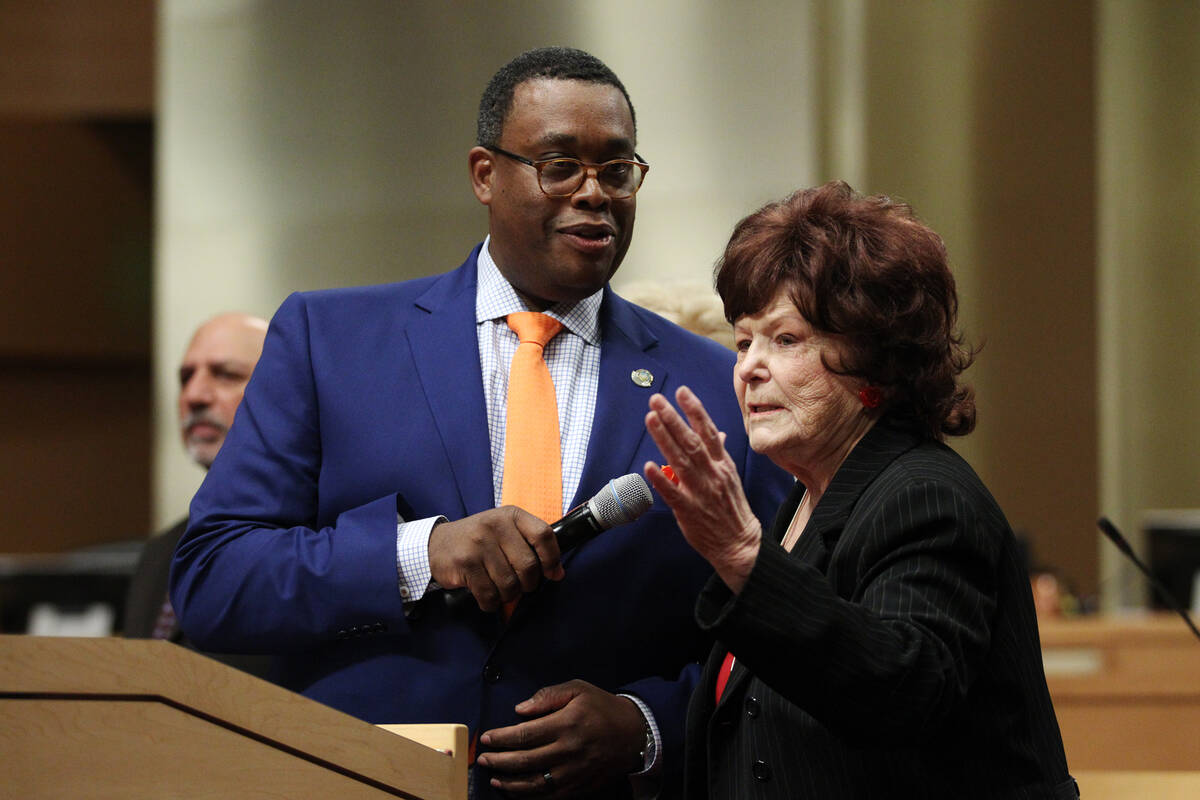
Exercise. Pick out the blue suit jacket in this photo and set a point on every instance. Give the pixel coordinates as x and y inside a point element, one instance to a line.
<point>368,402</point>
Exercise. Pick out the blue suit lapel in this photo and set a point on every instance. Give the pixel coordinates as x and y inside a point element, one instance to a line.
<point>617,432</point>
<point>446,353</point>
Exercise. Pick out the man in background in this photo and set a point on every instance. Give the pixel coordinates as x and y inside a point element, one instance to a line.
<point>212,377</point>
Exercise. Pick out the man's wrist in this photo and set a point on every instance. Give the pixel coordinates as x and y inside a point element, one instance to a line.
<point>412,558</point>
<point>648,745</point>
<point>648,751</point>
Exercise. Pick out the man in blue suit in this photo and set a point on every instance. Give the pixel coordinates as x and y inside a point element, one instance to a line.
<point>362,480</point>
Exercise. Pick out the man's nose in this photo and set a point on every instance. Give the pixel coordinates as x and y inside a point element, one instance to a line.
<point>591,193</point>
<point>198,391</point>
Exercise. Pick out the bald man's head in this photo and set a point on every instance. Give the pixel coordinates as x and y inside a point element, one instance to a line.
<point>212,377</point>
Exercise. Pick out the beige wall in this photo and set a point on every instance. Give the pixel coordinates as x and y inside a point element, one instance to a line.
<point>981,115</point>
<point>1148,271</point>
<point>309,144</point>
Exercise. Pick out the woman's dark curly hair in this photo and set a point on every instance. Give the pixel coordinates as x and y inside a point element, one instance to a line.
<point>865,269</point>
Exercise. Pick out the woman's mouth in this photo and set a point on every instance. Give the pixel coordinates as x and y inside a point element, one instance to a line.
<point>760,409</point>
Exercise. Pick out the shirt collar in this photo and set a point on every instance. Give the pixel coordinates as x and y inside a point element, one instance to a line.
<point>495,298</point>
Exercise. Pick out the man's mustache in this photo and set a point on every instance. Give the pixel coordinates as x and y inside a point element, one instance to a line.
<point>202,417</point>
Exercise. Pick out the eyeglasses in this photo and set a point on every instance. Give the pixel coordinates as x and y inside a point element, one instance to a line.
<point>561,177</point>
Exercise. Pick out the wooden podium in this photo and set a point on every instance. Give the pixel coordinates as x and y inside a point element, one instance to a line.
<point>118,718</point>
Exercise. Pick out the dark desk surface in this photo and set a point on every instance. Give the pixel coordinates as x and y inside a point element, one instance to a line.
<point>75,579</point>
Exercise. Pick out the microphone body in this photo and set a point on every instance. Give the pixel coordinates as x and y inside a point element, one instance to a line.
<point>575,528</point>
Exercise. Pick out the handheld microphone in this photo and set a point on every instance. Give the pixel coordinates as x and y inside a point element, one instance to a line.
<point>1116,538</point>
<point>622,500</point>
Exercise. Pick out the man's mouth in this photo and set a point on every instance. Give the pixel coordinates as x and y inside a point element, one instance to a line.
<point>204,431</point>
<point>589,235</point>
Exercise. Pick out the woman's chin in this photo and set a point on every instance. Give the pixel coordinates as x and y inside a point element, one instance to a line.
<point>769,446</point>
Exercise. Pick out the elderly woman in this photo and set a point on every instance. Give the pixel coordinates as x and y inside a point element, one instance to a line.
<point>879,640</point>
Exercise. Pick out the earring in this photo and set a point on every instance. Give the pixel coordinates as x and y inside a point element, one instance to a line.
<point>870,396</point>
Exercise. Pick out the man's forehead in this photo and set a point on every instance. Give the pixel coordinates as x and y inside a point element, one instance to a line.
<point>552,93</point>
<point>225,339</point>
<point>565,139</point>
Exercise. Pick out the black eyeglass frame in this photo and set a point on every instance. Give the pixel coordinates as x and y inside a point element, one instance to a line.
<point>641,164</point>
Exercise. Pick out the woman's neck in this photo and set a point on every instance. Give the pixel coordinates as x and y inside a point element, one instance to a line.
<point>817,470</point>
<point>816,475</point>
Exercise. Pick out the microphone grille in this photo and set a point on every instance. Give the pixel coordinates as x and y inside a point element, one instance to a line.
<point>622,500</point>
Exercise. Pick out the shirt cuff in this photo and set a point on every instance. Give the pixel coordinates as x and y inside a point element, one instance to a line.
<point>651,763</point>
<point>412,558</point>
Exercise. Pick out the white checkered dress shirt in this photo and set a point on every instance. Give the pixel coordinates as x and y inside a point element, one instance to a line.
<point>573,357</point>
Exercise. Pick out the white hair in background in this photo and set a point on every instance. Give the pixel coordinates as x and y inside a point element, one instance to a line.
<point>690,305</point>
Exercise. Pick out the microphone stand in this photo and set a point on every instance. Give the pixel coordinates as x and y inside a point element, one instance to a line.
<point>1116,538</point>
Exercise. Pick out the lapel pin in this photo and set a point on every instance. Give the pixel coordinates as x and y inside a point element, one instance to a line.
<point>642,377</point>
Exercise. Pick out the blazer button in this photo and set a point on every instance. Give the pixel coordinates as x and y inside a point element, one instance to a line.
<point>491,674</point>
<point>762,771</point>
<point>752,707</point>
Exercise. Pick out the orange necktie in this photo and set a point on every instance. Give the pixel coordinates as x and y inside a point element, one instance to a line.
<point>532,454</point>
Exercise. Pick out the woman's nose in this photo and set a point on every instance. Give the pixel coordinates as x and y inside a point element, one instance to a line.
<point>751,367</point>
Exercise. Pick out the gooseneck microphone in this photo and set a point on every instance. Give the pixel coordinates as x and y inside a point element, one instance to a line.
<point>622,500</point>
<point>1116,538</point>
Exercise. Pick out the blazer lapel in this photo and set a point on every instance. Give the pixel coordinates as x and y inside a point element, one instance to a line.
<point>614,441</point>
<point>446,353</point>
<point>880,447</point>
<point>882,444</point>
<point>733,687</point>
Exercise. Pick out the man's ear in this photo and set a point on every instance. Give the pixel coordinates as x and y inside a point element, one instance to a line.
<point>481,163</point>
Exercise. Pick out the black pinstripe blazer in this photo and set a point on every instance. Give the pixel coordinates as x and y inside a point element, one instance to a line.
<point>893,653</point>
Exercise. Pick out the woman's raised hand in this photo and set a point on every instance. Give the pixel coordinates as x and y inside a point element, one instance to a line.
<point>706,495</point>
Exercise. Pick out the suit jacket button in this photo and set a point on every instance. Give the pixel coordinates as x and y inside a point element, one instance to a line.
<point>491,674</point>
<point>762,771</point>
<point>752,707</point>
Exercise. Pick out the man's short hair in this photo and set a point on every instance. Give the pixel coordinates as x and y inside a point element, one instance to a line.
<point>562,63</point>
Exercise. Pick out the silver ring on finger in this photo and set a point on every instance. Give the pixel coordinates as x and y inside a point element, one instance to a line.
<point>548,778</point>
